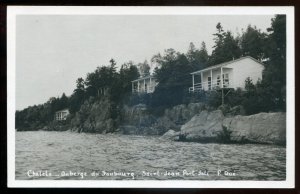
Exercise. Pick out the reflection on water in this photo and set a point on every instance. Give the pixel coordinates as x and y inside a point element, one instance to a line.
<point>66,155</point>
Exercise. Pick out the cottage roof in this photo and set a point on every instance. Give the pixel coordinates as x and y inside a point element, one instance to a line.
<point>226,63</point>
<point>143,78</point>
<point>65,109</point>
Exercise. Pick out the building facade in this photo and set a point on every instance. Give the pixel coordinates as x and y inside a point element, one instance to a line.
<point>61,115</point>
<point>144,85</point>
<point>231,74</point>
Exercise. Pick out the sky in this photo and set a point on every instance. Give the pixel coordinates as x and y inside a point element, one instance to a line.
<point>52,51</point>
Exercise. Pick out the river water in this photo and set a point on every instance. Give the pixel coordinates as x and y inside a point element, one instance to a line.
<point>71,156</point>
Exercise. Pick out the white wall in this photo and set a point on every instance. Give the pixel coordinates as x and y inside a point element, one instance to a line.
<point>147,83</point>
<point>205,79</point>
<point>61,115</point>
<point>215,74</point>
<point>245,68</point>
<point>238,73</point>
<point>230,75</point>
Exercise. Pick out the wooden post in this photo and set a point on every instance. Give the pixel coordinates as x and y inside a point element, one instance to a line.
<point>221,78</point>
<point>211,79</point>
<point>132,86</point>
<point>138,89</point>
<point>193,82</point>
<point>222,96</point>
<point>202,80</point>
<point>151,85</point>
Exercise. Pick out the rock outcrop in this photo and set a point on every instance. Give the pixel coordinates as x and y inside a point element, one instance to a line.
<point>204,127</point>
<point>191,122</point>
<point>176,116</point>
<point>139,121</point>
<point>95,117</point>
<point>267,128</point>
<point>264,128</point>
<point>171,135</point>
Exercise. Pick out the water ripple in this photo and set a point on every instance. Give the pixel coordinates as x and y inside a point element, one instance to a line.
<point>58,152</point>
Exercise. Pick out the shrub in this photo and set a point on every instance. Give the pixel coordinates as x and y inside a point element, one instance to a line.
<point>224,135</point>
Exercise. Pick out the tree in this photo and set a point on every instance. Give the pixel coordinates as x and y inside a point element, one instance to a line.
<point>274,75</point>
<point>77,98</point>
<point>173,77</point>
<point>144,68</point>
<point>253,42</point>
<point>197,58</point>
<point>128,72</point>
<point>80,84</point>
<point>256,98</point>
<point>191,52</point>
<point>101,81</point>
<point>201,56</point>
<point>231,47</point>
<point>226,47</point>
<point>113,66</point>
<point>64,101</point>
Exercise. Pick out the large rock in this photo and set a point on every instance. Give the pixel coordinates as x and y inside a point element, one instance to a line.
<point>171,135</point>
<point>205,126</point>
<point>96,116</point>
<point>176,116</point>
<point>267,128</point>
<point>148,124</point>
<point>182,113</point>
<point>138,116</point>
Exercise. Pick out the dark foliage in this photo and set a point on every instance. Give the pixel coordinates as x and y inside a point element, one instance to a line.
<point>173,74</point>
<point>36,117</point>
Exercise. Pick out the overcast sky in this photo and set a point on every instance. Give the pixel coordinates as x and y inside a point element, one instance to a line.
<point>53,51</point>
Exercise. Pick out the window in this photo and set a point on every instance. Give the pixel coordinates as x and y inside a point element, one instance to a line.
<point>225,80</point>
<point>218,80</point>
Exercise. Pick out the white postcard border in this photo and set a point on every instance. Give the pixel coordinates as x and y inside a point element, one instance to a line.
<point>13,11</point>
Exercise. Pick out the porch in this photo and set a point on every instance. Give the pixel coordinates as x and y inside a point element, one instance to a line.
<point>211,79</point>
<point>146,89</point>
<point>144,85</point>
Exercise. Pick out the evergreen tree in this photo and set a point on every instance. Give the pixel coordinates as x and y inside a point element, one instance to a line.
<point>144,69</point>
<point>77,98</point>
<point>64,101</point>
<point>253,42</point>
<point>226,47</point>
<point>231,49</point>
<point>191,54</point>
<point>173,77</point>
<point>274,77</point>
<point>128,73</point>
<point>201,56</point>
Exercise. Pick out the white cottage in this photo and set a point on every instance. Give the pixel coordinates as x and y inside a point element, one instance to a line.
<point>61,114</point>
<point>233,73</point>
<point>144,85</point>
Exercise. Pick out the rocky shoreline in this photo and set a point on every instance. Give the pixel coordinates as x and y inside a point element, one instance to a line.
<point>195,122</point>
<point>198,123</point>
<point>262,128</point>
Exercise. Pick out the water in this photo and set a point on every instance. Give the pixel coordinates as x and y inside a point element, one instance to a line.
<point>65,155</point>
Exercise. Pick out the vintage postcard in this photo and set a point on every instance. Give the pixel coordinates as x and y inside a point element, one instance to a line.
<point>151,97</point>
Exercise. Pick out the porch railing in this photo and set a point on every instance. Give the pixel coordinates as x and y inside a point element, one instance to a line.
<point>148,89</point>
<point>209,85</point>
